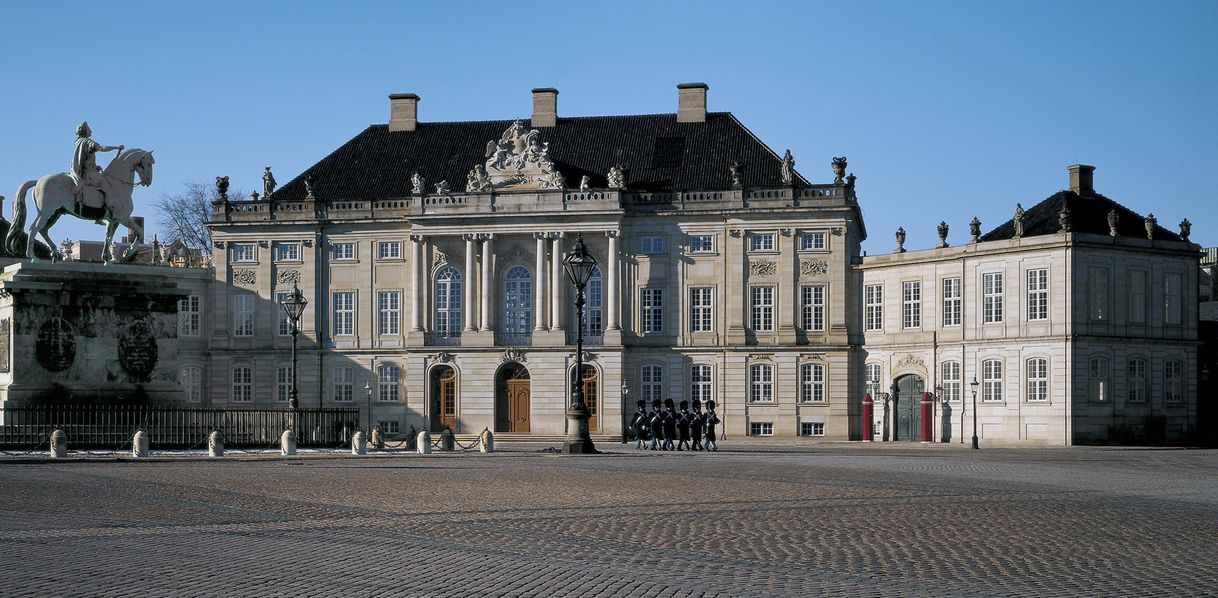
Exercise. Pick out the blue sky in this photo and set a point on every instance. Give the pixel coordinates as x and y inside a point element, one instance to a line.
<point>946,110</point>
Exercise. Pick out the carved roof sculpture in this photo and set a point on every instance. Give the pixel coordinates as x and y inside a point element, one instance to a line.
<point>1088,214</point>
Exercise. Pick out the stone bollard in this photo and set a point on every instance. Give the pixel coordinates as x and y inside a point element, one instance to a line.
<point>215,444</point>
<point>488,441</point>
<point>378,441</point>
<point>139,445</point>
<point>448,441</point>
<point>423,443</point>
<point>358,445</point>
<point>59,444</point>
<point>287,443</point>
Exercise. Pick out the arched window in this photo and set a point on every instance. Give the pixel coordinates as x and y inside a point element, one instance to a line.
<point>448,302</point>
<point>761,383</point>
<point>1037,371</point>
<point>874,387</point>
<point>991,380</point>
<point>812,383</point>
<point>951,381</point>
<point>387,375</point>
<point>594,304</point>
<point>518,301</point>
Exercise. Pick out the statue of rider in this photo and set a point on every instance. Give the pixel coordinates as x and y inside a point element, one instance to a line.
<point>85,171</point>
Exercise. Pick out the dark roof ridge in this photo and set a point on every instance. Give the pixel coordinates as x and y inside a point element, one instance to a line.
<point>560,119</point>
<point>765,145</point>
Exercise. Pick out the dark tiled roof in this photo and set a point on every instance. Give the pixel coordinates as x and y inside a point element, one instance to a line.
<point>663,155</point>
<point>1088,214</point>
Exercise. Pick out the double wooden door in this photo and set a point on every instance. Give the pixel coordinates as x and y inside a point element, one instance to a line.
<point>909,408</point>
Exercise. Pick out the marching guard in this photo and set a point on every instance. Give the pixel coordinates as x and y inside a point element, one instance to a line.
<point>670,424</point>
<point>710,420</point>
<point>656,420</point>
<point>640,425</point>
<point>696,421</point>
<point>683,427</point>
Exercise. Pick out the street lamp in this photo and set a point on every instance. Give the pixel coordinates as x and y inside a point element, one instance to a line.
<point>294,306</point>
<point>368,403</point>
<point>974,384</point>
<point>579,265</point>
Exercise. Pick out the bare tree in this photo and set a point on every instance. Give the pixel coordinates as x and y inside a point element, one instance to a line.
<point>184,215</point>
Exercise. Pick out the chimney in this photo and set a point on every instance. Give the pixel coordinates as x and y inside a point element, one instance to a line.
<point>691,102</point>
<point>403,111</point>
<point>545,107</point>
<point>1081,179</point>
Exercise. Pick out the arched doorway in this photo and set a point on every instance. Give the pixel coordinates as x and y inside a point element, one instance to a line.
<point>908,400</point>
<point>443,398</point>
<point>590,383</point>
<point>512,398</point>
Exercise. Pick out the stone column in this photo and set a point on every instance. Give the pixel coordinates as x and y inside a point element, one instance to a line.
<point>557,282</point>
<point>611,294</point>
<point>539,294</point>
<point>420,283</point>
<point>469,281</point>
<point>488,281</point>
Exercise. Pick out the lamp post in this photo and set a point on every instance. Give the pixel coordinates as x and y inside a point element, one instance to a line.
<point>368,404</point>
<point>294,306</point>
<point>579,265</point>
<point>625,393</point>
<point>974,384</point>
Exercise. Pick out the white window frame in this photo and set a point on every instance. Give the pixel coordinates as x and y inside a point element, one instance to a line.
<point>283,383</point>
<point>389,312</point>
<point>811,428</point>
<point>761,242</point>
<point>1136,288</point>
<point>388,250</point>
<point>594,304</point>
<point>911,304</point>
<point>1173,298</point>
<point>245,310</point>
<point>189,315</point>
<point>290,248</point>
<point>1097,293</point>
<point>701,309</point>
<point>1173,381</point>
<point>342,252</point>
<point>388,382</point>
<point>389,426</point>
<point>652,245</point>
<point>874,375</point>
<point>701,382</point>
<point>952,381</point>
<point>192,384</point>
<point>761,428</point>
<point>874,300</point>
<point>243,253</point>
<point>285,323</point>
<point>343,303</point>
<point>952,314</point>
<point>242,379</point>
<point>342,386</point>
<point>448,302</point>
<point>701,243</point>
<point>761,308</point>
<point>1099,379</point>
<point>991,381</point>
<point>992,297</point>
<point>812,312</point>
<point>814,241</point>
<point>812,383</point>
<point>1038,294</point>
<point>651,382</point>
<point>651,312</point>
<point>1135,380</point>
<point>761,383</point>
<point>1036,374</point>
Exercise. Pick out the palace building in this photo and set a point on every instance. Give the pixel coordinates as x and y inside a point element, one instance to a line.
<point>431,257</point>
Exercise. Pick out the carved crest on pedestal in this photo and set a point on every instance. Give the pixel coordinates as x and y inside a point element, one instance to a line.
<point>246,276</point>
<point>442,357</point>
<point>513,354</point>
<point>911,360</point>
<point>813,267</point>
<point>763,268</point>
<point>519,160</point>
<point>812,357</point>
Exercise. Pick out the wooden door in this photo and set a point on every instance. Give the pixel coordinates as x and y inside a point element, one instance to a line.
<point>444,399</point>
<point>592,396</point>
<point>909,408</point>
<point>518,392</point>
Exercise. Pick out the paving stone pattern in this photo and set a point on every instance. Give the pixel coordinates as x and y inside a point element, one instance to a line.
<point>762,520</point>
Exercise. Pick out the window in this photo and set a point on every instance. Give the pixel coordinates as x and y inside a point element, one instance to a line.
<point>1173,381</point>
<point>286,252</point>
<point>192,384</point>
<point>652,380</point>
<point>700,309</point>
<point>991,380</point>
<point>761,241</point>
<point>518,301</point>
<point>762,301</point>
<point>243,252</point>
<point>1038,294</point>
<point>911,310</point>
<point>701,244</point>
<point>283,383</point>
<point>951,381</point>
<point>243,384</point>
<point>343,384</point>
<point>761,429</point>
<point>285,323</point>
<point>1098,294</point>
<point>652,244</point>
<point>1135,381</point>
<point>1097,380</point>
<point>344,313</point>
<point>812,383</point>
<point>991,303</point>
<point>761,383</point>
<point>594,304</point>
<point>387,375</point>
<point>389,426</point>
<point>388,309</point>
<point>653,311</point>
<point>874,388</point>
<point>243,314</point>
<point>1173,295</point>
<point>700,383</point>
<point>812,242</point>
<point>951,302</point>
<point>343,251</point>
<point>873,295</point>
<point>812,428</point>
<point>812,300</point>
<point>448,302</point>
<point>188,316</point>
<point>389,250</point>
<point>1038,379</point>
<point>1136,289</point>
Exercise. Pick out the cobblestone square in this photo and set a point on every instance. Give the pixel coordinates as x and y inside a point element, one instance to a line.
<point>757,520</point>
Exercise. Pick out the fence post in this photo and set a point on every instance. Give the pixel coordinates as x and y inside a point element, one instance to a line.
<point>488,441</point>
<point>287,443</point>
<point>139,445</point>
<point>447,440</point>
<point>215,444</point>
<point>423,443</point>
<point>59,444</point>
<point>358,445</point>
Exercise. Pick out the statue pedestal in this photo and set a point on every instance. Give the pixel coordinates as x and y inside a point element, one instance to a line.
<point>79,332</point>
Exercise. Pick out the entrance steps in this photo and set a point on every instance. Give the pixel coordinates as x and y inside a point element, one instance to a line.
<point>525,437</point>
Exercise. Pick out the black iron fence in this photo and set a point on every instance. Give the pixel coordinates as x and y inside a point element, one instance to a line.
<point>112,426</point>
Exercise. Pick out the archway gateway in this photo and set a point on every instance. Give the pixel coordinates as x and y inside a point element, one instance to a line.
<point>909,407</point>
<point>443,398</point>
<point>513,394</point>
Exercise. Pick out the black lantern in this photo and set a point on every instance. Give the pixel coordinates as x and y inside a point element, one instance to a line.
<point>974,384</point>
<point>293,307</point>
<point>579,265</point>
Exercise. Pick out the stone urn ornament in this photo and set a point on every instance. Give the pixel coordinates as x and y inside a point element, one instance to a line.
<point>839,169</point>
<point>1150,223</point>
<point>901,240</point>
<point>1186,228</point>
<point>942,229</point>
<point>1113,220</point>
<point>1063,218</point>
<point>974,229</point>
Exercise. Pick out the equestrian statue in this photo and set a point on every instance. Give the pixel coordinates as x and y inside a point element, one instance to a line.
<point>88,193</point>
